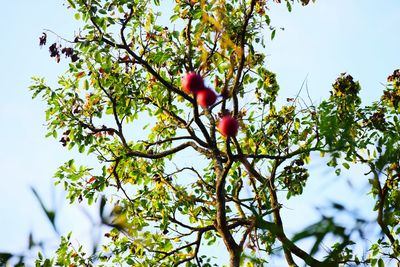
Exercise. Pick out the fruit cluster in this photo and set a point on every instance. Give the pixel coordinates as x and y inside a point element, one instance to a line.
<point>193,83</point>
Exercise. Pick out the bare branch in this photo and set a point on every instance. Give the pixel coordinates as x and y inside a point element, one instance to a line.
<point>132,153</point>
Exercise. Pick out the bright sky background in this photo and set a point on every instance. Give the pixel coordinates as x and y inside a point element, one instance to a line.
<point>319,42</point>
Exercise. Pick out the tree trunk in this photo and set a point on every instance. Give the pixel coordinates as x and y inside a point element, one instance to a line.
<point>220,222</point>
<point>234,260</point>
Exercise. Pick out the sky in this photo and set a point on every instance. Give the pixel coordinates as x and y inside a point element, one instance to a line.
<point>318,43</point>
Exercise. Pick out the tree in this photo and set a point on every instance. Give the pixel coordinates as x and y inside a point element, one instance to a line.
<point>181,184</point>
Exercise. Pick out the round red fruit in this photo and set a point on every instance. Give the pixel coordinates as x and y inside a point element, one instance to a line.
<point>192,82</point>
<point>206,97</point>
<point>228,126</point>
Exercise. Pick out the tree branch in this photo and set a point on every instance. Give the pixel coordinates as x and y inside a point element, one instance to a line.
<point>138,58</point>
<point>140,154</point>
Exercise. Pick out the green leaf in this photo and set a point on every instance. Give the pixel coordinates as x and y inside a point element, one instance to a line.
<point>51,214</point>
<point>346,165</point>
<point>77,16</point>
<point>267,20</point>
<point>86,85</point>
<point>47,263</point>
<point>381,263</point>
<point>72,4</point>
<point>101,208</point>
<point>273,34</point>
<point>4,257</point>
<point>174,17</point>
<point>289,6</point>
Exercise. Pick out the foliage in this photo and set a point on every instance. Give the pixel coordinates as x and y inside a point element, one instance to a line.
<point>180,184</point>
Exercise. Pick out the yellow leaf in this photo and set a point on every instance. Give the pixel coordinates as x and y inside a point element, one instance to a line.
<point>80,74</point>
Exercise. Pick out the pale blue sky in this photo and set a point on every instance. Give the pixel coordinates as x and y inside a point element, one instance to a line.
<point>321,41</point>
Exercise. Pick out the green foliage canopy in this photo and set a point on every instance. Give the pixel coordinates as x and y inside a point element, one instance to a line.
<point>181,185</point>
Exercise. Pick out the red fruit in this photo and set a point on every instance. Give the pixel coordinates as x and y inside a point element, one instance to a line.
<point>192,82</point>
<point>228,126</point>
<point>206,97</point>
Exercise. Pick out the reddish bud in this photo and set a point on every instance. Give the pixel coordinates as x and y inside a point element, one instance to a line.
<point>228,126</point>
<point>206,97</point>
<point>192,82</point>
